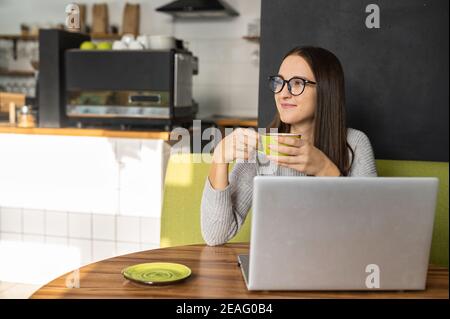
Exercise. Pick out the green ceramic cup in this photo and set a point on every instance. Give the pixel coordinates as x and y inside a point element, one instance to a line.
<point>266,139</point>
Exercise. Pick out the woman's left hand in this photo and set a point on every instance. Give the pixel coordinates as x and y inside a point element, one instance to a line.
<point>303,157</point>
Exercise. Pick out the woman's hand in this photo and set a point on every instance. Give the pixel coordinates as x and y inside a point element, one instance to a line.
<point>303,157</point>
<point>240,144</point>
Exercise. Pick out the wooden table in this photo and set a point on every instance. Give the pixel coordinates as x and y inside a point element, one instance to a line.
<point>215,274</point>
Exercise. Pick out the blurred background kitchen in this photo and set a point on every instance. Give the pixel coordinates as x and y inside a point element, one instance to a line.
<point>83,144</point>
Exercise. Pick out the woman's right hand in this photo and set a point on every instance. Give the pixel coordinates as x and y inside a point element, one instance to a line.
<point>240,144</point>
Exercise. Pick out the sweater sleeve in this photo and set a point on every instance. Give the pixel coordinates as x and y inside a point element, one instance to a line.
<point>224,211</point>
<point>364,160</point>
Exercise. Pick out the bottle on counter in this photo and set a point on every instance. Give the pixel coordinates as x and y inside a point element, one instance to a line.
<point>26,117</point>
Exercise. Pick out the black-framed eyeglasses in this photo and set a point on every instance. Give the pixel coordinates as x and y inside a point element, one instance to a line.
<point>296,85</point>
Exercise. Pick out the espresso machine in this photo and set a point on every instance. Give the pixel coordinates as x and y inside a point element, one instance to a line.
<point>126,89</point>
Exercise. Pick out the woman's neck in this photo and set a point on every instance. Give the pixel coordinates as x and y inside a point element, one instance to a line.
<point>305,129</point>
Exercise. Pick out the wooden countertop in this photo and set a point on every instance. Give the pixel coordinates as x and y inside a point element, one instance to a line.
<point>215,274</point>
<point>228,121</point>
<point>6,128</point>
<point>237,122</point>
<point>161,135</point>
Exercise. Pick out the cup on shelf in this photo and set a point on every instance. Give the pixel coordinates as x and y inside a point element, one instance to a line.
<point>143,39</point>
<point>127,38</point>
<point>135,45</point>
<point>119,45</point>
<point>26,117</point>
<point>161,42</point>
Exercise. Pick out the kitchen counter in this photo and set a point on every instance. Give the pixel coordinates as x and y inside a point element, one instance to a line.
<point>80,194</point>
<point>232,121</point>
<point>97,171</point>
<point>160,135</point>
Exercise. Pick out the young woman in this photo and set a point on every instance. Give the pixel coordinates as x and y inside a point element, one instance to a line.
<point>310,98</point>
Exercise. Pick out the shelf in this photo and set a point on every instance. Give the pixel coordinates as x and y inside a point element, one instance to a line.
<point>94,36</point>
<point>16,73</point>
<point>18,37</point>
<point>252,39</point>
<point>15,37</point>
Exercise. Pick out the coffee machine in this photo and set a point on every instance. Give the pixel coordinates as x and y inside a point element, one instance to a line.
<point>124,89</point>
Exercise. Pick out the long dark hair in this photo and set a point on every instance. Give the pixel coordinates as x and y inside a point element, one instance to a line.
<point>330,131</point>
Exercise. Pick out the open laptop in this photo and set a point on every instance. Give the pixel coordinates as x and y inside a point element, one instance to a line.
<point>325,233</point>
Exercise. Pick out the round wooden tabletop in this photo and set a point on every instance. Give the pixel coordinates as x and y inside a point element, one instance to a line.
<point>215,274</point>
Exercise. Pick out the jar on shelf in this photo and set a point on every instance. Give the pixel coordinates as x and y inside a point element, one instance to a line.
<point>26,117</point>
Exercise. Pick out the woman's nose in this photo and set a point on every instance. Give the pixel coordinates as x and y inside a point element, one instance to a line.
<point>285,92</point>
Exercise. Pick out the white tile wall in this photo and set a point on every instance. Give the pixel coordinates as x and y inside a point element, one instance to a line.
<point>56,223</point>
<point>33,221</point>
<point>103,249</point>
<point>53,240</point>
<point>60,227</point>
<point>11,236</point>
<point>127,248</point>
<point>128,229</point>
<point>150,229</point>
<point>212,73</point>
<point>243,101</point>
<point>104,227</point>
<point>69,240</point>
<point>80,225</point>
<point>243,74</point>
<point>213,98</point>
<point>33,238</point>
<point>11,220</point>
<point>84,247</point>
<point>226,61</point>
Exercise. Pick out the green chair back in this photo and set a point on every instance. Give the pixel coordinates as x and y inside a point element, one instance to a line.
<point>183,189</point>
<point>439,247</point>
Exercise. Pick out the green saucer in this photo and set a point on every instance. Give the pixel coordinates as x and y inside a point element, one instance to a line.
<point>156,273</point>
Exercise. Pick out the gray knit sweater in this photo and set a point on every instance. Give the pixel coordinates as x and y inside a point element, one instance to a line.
<point>224,211</point>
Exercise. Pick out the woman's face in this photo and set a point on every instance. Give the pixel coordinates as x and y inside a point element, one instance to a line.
<point>296,109</point>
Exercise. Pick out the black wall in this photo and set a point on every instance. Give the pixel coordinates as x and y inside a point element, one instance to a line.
<point>397,80</point>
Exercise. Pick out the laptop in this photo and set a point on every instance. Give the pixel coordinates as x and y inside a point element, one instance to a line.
<point>328,233</point>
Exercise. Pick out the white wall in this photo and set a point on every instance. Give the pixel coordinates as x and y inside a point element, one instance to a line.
<point>83,174</point>
<point>229,68</point>
<point>79,197</point>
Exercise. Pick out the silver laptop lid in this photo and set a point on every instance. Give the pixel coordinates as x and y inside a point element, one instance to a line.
<point>325,233</point>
